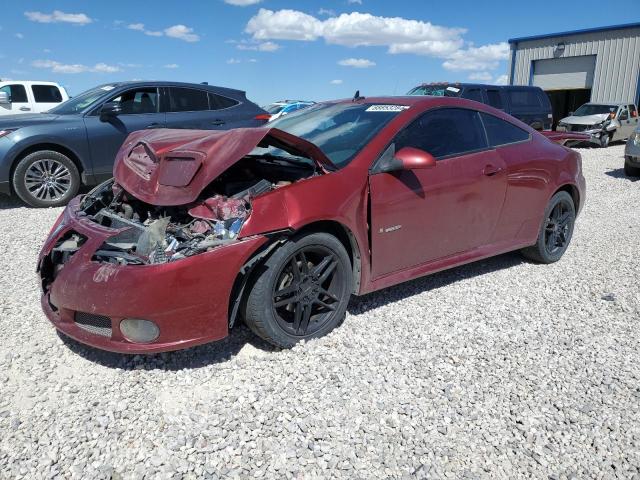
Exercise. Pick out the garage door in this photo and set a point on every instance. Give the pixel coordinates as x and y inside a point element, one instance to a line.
<point>564,73</point>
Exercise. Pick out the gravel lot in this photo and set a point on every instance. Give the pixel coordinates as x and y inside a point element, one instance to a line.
<point>499,369</point>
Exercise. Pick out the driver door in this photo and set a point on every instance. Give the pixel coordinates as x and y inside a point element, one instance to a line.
<point>419,216</point>
<point>140,110</point>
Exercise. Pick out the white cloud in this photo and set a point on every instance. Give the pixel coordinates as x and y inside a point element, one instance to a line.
<point>19,35</point>
<point>355,29</point>
<point>171,65</point>
<point>252,60</point>
<point>399,35</point>
<point>501,80</point>
<point>59,17</point>
<point>357,63</point>
<point>284,25</point>
<point>181,32</point>
<point>486,57</point>
<point>336,82</point>
<point>57,67</point>
<point>242,3</point>
<point>481,76</point>
<point>327,11</point>
<point>233,61</point>
<point>351,2</point>
<point>259,47</point>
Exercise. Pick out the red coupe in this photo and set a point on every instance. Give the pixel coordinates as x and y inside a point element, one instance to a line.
<point>279,226</point>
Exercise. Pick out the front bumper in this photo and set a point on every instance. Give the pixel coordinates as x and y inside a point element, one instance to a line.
<point>632,153</point>
<point>187,299</point>
<point>595,135</point>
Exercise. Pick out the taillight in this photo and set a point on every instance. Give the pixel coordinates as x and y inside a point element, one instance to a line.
<point>263,116</point>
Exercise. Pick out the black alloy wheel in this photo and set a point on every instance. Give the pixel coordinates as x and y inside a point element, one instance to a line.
<point>301,292</point>
<point>556,230</point>
<point>306,292</point>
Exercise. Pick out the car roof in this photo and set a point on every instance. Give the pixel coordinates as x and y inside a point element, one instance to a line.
<point>163,83</point>
<point>474,85</point>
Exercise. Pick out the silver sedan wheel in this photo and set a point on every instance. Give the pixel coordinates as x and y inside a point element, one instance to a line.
<point>47,180</point>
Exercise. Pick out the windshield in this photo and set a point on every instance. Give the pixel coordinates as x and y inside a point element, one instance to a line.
<point>273,109</point>
<point>340,130</point>
<point>436,91</point>
<point>81,102</point>
<point>591,109</point>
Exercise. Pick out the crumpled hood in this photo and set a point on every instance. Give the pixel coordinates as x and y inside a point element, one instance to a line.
<point>172,167</point>
<point>586,120</point>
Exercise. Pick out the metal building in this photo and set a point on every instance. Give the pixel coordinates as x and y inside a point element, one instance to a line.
<point>597,64</point>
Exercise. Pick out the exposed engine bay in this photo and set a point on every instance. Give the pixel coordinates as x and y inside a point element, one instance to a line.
<point>152,234</point>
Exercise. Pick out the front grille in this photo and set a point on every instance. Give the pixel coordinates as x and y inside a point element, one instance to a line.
<point>579,128</point>
<point>96,324</point>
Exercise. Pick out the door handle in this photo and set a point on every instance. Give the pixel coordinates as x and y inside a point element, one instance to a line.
<point>154,125</point>
<point>217,123</point>
<point>491,170</point>
<point>25,109</point>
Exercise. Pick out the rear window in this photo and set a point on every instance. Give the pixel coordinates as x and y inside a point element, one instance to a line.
<point>437,90</point>
<point>494,99</point>
<point>187,100</point>
<point>218,102</point>
<point>500,132</point>
<point>523,98</point>
<point>46,93</point>
<point>473,94</point>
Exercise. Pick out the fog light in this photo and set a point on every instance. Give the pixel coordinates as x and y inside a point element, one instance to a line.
<point>138,330</point>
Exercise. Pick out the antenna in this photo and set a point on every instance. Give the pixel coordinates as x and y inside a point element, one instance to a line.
<point>357,96</point>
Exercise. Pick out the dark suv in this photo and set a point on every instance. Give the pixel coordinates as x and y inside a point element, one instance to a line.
<point>528,104</point>
<point>45,157</point>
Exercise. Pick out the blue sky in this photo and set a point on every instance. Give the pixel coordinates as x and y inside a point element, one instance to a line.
<point>274,49</point>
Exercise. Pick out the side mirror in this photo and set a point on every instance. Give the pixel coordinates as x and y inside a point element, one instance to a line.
<point>110,110</point>
<point>4,98</point>
<point>409,158</point>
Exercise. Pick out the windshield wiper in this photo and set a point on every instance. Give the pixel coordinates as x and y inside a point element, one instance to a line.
<point>291,160</point>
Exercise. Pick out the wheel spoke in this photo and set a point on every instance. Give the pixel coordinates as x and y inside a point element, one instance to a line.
<point>295,269</point>
<point>286,290</point>
<point>284,302</point>
<point>297,317</point>
<point>304,264</point>
<point>324,304</point>
<point>329,294</point>
<point>328,271</point>
<point>306,317</point>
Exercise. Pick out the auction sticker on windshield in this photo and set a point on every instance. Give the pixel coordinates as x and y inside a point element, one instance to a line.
<point>386,108</point>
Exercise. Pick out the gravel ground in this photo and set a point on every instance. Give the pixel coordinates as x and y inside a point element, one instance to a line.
<point>499,369</point>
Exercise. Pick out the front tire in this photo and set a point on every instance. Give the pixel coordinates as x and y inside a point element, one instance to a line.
<point>605,140</point>
<point>301,292</point>
<point>46,179</point>
<point>556,230</point>
<point>630,170</point>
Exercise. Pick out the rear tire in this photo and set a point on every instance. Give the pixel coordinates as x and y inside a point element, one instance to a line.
<point>630,170</point>
<point>46,179</point>
<point>301,291</point>
<point>555,232</point>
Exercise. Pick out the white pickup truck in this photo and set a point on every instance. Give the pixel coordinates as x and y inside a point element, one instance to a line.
<point>17,96</point>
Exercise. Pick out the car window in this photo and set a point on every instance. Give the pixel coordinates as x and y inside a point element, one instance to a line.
<point>500,132</point>
<point>17,93</point>
<point>46,93</point>
<point>218,102</point>
<point>473,94</point>
<point>624,114</point>
<point>444,132</point>
<point>523,98</point>
<point>187,100</point>
<point>138,101</point>
<point>494,99</point>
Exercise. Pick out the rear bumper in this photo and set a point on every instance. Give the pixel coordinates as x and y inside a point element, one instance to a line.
<point>188,299</point>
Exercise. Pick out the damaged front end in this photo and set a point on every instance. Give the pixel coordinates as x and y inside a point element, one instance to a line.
<point>149,234</point>
<point>179,193</point>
